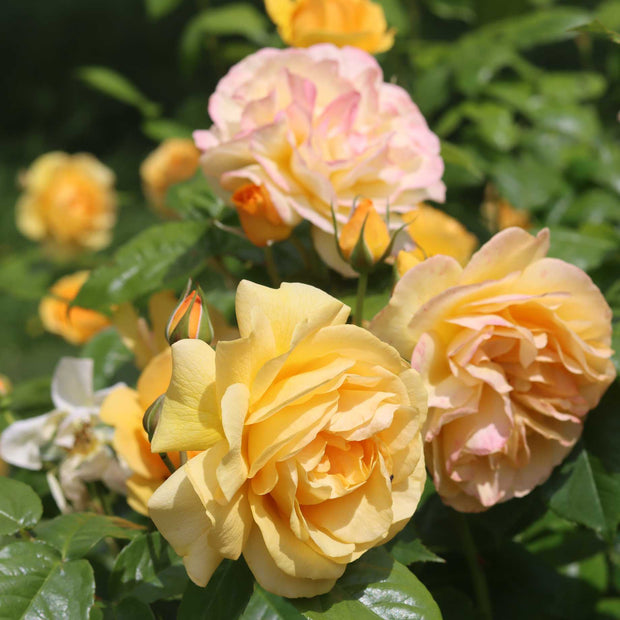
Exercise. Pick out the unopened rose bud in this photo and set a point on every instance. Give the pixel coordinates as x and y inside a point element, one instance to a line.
<point>259,217</point>
<point>364,239</point>
<point>190,319</point>
<point>151,416</point>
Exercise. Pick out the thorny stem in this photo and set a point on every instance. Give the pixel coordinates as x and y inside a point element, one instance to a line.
<point>478,578</point>
<point>362,284</point>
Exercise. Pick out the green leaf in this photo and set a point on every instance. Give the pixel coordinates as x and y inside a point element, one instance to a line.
<point>129,609</point>
<point>572,85</point>
<point>224,597</point>
<point>596,206</point>
<point>495,124</point>
<point>409,551</point>
<point>597,29</point>
<point>453,9</point>
<point>375,586</point>
<point>20,506</point>
<point>75,534</point>
<point>578,122</point>
<point>536,28</point>
<point>20,278</point>
<point>161,129</point>
<point>118,87</point>
<point>159,8</point>
<point>526,182</point>
<point>194,199</point>
<point>236,18</point>
<point>456,156</point>
<point>109,354</point>
<point>36,583</point>
<point>268,606</point>
<point>141,265</point>
<point>590,495</point>
<point>586,250</point>
<point>148,569</point>
<point>33,394</point>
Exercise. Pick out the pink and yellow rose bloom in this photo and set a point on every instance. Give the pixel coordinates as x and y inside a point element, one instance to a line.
<point>68,204</point>
<point>309,129</point>
<point>514,349</point>
<point>359,23</point>
<point>309,432</point>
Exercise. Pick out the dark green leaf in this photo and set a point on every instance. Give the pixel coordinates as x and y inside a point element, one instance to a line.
<point>526,182</point>
<point>458,157</point>
<point>141,265</point>
<point>20,506</point>
<point>109,354</point>
<point>225,596</point>
<point>586,250</point>
<point>129,609</point>
<point>572,86</point>
<point>160,8</point>
<point>118,87</point>
<point>233,19</point>
<point>410,551</point>
<point>194,199</point>
<point>597,29</point>
<point>75,534</point>
<point>21,276</point>
<point>453,9</point>
<point>596,206</point>
<point>264,605</point>
<point>578,122</point>
<point>36,583</point>
<point>494,123</point>
<point>162,128</point>
<point>536,28</point>
<point>375,586</point>
<point>33,394</point>
<point>148,569</point>
<point>590,495</point>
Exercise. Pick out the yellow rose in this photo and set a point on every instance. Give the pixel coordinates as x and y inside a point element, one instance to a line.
<point>359,23</point>
<point>514,349</point>
<point>76,325</point>
<point>68,203</point>
<point>173,161</point>
<point>434,232</point>
<point>309,432</point>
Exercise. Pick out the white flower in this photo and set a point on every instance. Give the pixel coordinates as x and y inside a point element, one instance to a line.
<point>71,436</point>
<point>27,443</point>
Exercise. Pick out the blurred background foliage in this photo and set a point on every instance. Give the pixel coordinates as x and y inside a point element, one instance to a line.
<point>525,100</point>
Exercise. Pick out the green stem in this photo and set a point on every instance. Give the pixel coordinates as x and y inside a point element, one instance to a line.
<point>272,269</point>
<point>167,462</point>
<point>362,284</point>
<point>478,578</point>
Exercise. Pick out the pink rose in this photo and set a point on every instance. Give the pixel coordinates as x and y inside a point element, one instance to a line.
<point>317,127</point>
<point>515,351</point>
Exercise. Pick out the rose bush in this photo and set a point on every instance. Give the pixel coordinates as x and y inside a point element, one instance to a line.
<point>299,131</point>
<point>515,351</point>
<point>69,203</point>
<point>359,23</point>
<point>309,436</point>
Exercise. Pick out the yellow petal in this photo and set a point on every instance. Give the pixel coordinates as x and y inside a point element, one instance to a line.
<point>293,310</point>
<point>190,418</point>
<point>273,579</point>
<point>231,520</point>
<point>179,515</point>
<point>412,291</point>
<point>155,378</point>
<point>291,555</point>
